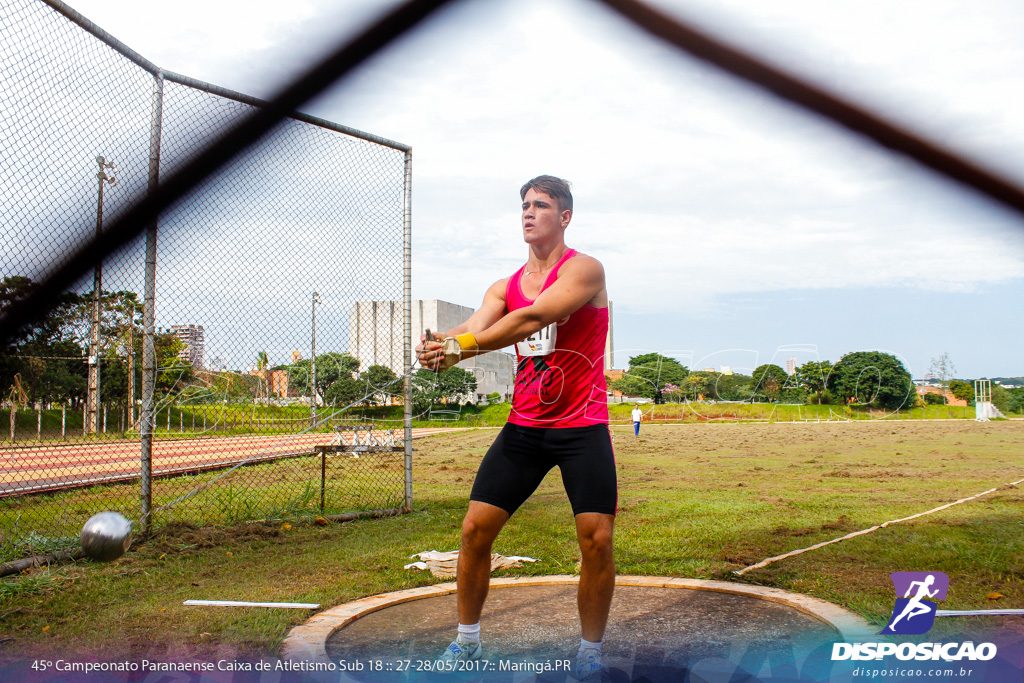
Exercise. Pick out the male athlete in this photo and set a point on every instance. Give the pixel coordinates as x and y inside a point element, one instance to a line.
<point>555,310</point>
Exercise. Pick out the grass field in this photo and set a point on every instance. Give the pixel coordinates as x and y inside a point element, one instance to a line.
<point>287,489</point>
<point>783,412</point>
<point>696,500</point>
<point>181,420</point>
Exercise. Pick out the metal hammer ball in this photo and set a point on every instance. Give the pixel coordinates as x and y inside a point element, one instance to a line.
<point>106,536</point>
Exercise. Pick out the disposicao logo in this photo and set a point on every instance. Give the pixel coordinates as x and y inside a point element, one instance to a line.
<point>914,613</point>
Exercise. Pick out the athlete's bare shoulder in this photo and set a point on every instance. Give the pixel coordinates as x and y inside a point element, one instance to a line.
<point>589,272</point>
<point>491,310</point>
<point>583,267</point>
<point>498,288</point>
<point>586,262</point>
<point>494,297</point>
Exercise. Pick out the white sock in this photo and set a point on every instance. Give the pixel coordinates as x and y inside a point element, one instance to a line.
<point>587,645</point>
<point>470,633</point>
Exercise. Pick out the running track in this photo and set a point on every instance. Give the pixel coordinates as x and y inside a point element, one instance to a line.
<point>51,467</point>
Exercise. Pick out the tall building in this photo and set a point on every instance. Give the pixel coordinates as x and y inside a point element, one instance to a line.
<point>791,366</point>
<point>375,338</point>
<point>191,337</point>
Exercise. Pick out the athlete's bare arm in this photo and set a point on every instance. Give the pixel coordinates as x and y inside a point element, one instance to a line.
<point>580,281</point>
<point>490,311</point>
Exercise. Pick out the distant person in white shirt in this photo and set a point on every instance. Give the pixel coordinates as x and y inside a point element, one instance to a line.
<point>637,416</point>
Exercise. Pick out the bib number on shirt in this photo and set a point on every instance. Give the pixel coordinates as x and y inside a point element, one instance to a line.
<point>540,343</point>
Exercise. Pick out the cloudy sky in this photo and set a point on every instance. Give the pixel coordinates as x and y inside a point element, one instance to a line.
<point>734,229</point>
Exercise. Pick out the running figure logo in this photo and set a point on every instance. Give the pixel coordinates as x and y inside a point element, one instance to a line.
<point>914,613</point>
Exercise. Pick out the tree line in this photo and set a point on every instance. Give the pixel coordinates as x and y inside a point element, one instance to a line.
<point>48,361</point>
<point>861,377</point>
<point>339,382</point>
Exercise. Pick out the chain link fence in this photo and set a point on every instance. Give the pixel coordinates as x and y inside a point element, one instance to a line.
<point>200,374</point>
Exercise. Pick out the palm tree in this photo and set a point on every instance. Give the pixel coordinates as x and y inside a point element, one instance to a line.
<point>263,370</point>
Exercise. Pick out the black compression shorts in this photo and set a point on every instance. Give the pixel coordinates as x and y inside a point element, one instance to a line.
<point>520,457</point>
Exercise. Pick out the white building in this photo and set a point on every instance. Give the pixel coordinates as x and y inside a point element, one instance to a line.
<point>194,345</point>
<point>791,366</point>
<point>375,338</point>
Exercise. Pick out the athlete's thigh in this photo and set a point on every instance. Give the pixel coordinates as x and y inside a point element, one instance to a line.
<point>512,469</point>
<point>587,463</point>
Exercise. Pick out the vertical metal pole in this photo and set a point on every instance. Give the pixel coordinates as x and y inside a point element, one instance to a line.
<point>323,479</point>
<point>147,418</point>
<point>63,421</point>
<point>312,398</point>
<point>39,422</point>
<point>131,368</point>
<point>93,397</point>
<point>407,327</point>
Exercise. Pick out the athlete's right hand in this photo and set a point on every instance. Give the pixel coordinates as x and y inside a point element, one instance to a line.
<point>429,353</point>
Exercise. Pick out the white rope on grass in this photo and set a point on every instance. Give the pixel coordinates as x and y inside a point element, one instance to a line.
<point>766,562</point>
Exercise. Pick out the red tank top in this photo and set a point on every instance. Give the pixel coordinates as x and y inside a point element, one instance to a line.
<point>560,376</point>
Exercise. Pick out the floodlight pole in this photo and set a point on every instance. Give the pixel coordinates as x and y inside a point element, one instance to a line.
<point>312,401</point>
<point>93,400</point>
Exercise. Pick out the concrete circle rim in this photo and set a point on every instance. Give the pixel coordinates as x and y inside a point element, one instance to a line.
<point>307,642</point>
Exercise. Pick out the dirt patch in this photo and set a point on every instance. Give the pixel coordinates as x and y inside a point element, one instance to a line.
<point>878,474</point>
<point>838,473</point>
<point>842,524</point>
<point>179,536</point>
<point>741,554</point>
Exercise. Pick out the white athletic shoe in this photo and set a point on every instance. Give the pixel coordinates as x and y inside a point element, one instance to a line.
<point>588,665</point>
<point>458,651</point>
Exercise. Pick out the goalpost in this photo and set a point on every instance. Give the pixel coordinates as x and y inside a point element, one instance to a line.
<point>983,408</point>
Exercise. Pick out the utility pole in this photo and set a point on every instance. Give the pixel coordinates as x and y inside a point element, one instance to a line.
<point>312,402</point>
<point>93,400</point>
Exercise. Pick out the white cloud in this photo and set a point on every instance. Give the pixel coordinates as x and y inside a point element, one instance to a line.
<point>719,189</point>
<point>950,68</point>
<point>690,186</point>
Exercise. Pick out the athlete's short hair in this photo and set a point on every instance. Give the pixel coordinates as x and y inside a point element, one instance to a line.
<point>556,188</point>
